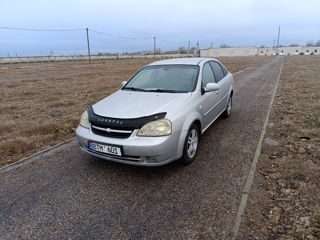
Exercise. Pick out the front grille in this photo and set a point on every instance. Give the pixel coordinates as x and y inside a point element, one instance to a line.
<point>111,132</point>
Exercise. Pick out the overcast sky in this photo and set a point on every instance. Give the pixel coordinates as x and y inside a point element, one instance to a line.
<point>173,22</point>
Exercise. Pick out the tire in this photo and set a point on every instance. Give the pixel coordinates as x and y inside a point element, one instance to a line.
<point>228,110</point>
<point>191,145</point>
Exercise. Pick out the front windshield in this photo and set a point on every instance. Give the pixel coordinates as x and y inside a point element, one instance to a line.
<point>165,78</point>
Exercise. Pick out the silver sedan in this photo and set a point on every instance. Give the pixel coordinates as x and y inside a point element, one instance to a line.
<point>159,115</point>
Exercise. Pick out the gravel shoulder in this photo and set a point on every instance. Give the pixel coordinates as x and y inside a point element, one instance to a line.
<point>284,202</point>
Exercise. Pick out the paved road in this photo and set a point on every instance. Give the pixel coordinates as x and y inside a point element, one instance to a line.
<point>69,195</point>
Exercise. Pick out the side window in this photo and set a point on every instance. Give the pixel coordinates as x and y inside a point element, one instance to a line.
<point>218,72</point>
<point>223,69</point>
<point>207,75</point>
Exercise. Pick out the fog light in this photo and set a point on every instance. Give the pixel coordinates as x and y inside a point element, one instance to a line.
<point>151,159</point>
<point>86,142</point>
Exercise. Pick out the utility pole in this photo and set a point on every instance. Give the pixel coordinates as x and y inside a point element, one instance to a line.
<point>189,45</point>
<point>198,48</point>
<point>88,45</point>
<point>211,44</point>
<point>273,43</point>
<point>278,37</point>
<point>154,45</point>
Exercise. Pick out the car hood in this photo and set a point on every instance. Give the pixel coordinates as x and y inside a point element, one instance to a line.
<point>134,104</point>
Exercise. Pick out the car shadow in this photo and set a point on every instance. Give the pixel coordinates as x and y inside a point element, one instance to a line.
<point>121,170</point>
<point>125,170</point>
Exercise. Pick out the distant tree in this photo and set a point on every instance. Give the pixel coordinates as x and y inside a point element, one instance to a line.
<point>294,45</point>
<point>310,44</point>
<point>224,46</point>
<point>262,46</point>
<point>317,43</point>
<point>193,49</point>
<point>182,49</point>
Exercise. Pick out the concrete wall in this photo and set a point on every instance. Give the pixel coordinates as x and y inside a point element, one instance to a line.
<point>85,58</point>
<point>211,52</point>
<point>229,52</point>
<point>252,51</point>
<point>289,51</point>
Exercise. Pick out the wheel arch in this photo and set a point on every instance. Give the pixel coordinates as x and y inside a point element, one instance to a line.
<point>198,124</point>
<point>193,118</point>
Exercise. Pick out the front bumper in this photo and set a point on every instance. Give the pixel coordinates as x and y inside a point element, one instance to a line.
<point>143,151</point>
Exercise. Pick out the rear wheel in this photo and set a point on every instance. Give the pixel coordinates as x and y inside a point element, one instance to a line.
<point>191,144</point>
<point>228,110</point>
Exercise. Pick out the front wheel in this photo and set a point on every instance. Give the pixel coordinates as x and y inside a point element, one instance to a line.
<point>191,144</point>
<point>227,112</point>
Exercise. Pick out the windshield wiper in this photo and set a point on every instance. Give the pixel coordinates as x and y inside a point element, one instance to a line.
<point>135,89</point>
<point>164,90</point>
<point>154,90</point>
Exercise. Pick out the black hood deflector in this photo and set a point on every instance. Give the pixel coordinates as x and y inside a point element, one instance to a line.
<point>121,123</point>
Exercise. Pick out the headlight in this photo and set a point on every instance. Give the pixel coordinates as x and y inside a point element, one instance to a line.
<point>84,120</point>
<point>156,128</point>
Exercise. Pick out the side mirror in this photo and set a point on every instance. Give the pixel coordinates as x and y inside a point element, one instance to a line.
<point>212,87</point>
<point>123,83</point>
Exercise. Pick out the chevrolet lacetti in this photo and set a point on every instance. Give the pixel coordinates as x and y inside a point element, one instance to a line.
<point>159,115</point>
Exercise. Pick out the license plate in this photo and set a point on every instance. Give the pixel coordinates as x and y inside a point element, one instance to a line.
<point>112,150</point>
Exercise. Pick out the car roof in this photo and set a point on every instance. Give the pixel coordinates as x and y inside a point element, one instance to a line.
<point>185,61</point>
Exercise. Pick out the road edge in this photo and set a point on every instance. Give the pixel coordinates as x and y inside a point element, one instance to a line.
<point>242,70</point>
<point>250,176</point>
<point>37,154</point>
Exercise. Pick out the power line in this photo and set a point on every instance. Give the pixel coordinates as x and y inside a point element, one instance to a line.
<point>67,30</point>
<point>43,30</point>
<point>81,29</point>
<point>97,32</point>
<point>118,36</point>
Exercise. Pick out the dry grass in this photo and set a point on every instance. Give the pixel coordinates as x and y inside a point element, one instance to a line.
<point>40,103</point>
<point>285,203</point>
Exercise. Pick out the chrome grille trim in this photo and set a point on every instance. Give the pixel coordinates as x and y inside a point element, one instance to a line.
<point>110,130</point>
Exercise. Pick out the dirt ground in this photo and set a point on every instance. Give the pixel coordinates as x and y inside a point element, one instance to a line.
<point>284,202</point>
<point>41,103</point>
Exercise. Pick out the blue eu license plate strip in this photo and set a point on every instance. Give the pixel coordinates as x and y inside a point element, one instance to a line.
<point>111,150</point>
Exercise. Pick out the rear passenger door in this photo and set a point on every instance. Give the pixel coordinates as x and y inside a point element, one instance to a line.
<point>209,100</point>
<point>221,78</point>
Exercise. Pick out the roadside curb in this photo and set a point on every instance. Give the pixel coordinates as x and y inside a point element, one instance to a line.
<point>37,154</point>
<point>252,170</point>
